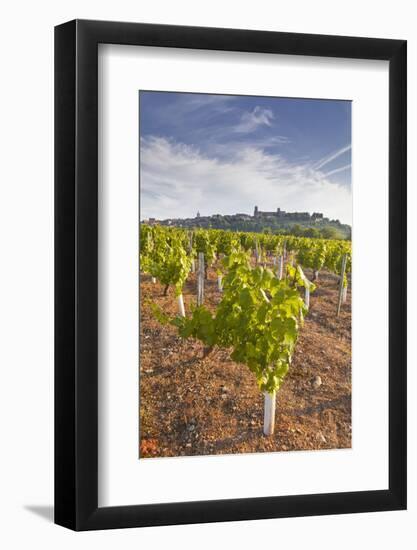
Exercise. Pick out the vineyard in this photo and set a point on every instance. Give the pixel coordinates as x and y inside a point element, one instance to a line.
<point>245,342</point>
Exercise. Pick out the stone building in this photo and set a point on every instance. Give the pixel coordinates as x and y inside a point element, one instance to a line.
<point>302,216</point>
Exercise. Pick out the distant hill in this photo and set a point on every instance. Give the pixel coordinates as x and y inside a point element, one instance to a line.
<point>294,223</point>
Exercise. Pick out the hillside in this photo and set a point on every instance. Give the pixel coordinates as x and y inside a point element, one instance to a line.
<point>295,225</point>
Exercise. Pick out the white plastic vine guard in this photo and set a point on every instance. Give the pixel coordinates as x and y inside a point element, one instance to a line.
<point>269,412</point>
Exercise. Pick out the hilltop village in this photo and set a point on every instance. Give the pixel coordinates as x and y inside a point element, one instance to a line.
<point>278,221</point>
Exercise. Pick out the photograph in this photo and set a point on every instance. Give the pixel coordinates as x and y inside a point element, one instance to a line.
<point>208,275</point>
<point>245,274</point>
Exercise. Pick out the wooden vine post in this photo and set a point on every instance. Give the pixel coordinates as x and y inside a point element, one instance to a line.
<point>151,245</point>
<point>307,296</point>
<point>269,412</point>
<point>280,266</point>
<point>342,277</point>
<point>219,283</point>
<point>200,279</point>
<point>345,289</point>
<point>220,275</point>
<point>190,250</point>
<point>257,252</point>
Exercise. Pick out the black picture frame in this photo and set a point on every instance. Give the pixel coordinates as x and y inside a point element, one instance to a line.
<point>76,273</point>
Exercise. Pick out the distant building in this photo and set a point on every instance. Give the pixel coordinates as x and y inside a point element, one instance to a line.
<point>198,214</point>
<point>257,213</point>
<point>287,215</point>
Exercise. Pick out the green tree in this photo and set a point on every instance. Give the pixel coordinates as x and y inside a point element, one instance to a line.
<point>296,230</point>
<point>312,232</point>
<point>331,233</point>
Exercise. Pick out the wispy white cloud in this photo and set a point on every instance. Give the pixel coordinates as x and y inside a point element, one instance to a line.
<point>177,180</point>
<point>251,120</point>
<point>329,158</point>
<point>177,111</point>
<point>218,149</point>
<point>337,170</point>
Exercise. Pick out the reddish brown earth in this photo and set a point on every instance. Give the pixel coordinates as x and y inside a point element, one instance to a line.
<point>190,405</point>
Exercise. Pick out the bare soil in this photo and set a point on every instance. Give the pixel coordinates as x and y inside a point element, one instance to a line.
<point>191,405</point>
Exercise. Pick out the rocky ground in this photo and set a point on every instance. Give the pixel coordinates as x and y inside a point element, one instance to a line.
<point>190,405</point>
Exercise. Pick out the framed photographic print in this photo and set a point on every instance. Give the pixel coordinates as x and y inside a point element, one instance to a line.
<point>230,245</point>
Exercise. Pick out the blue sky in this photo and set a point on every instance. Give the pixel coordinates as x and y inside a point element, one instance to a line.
<point>223,154</point>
